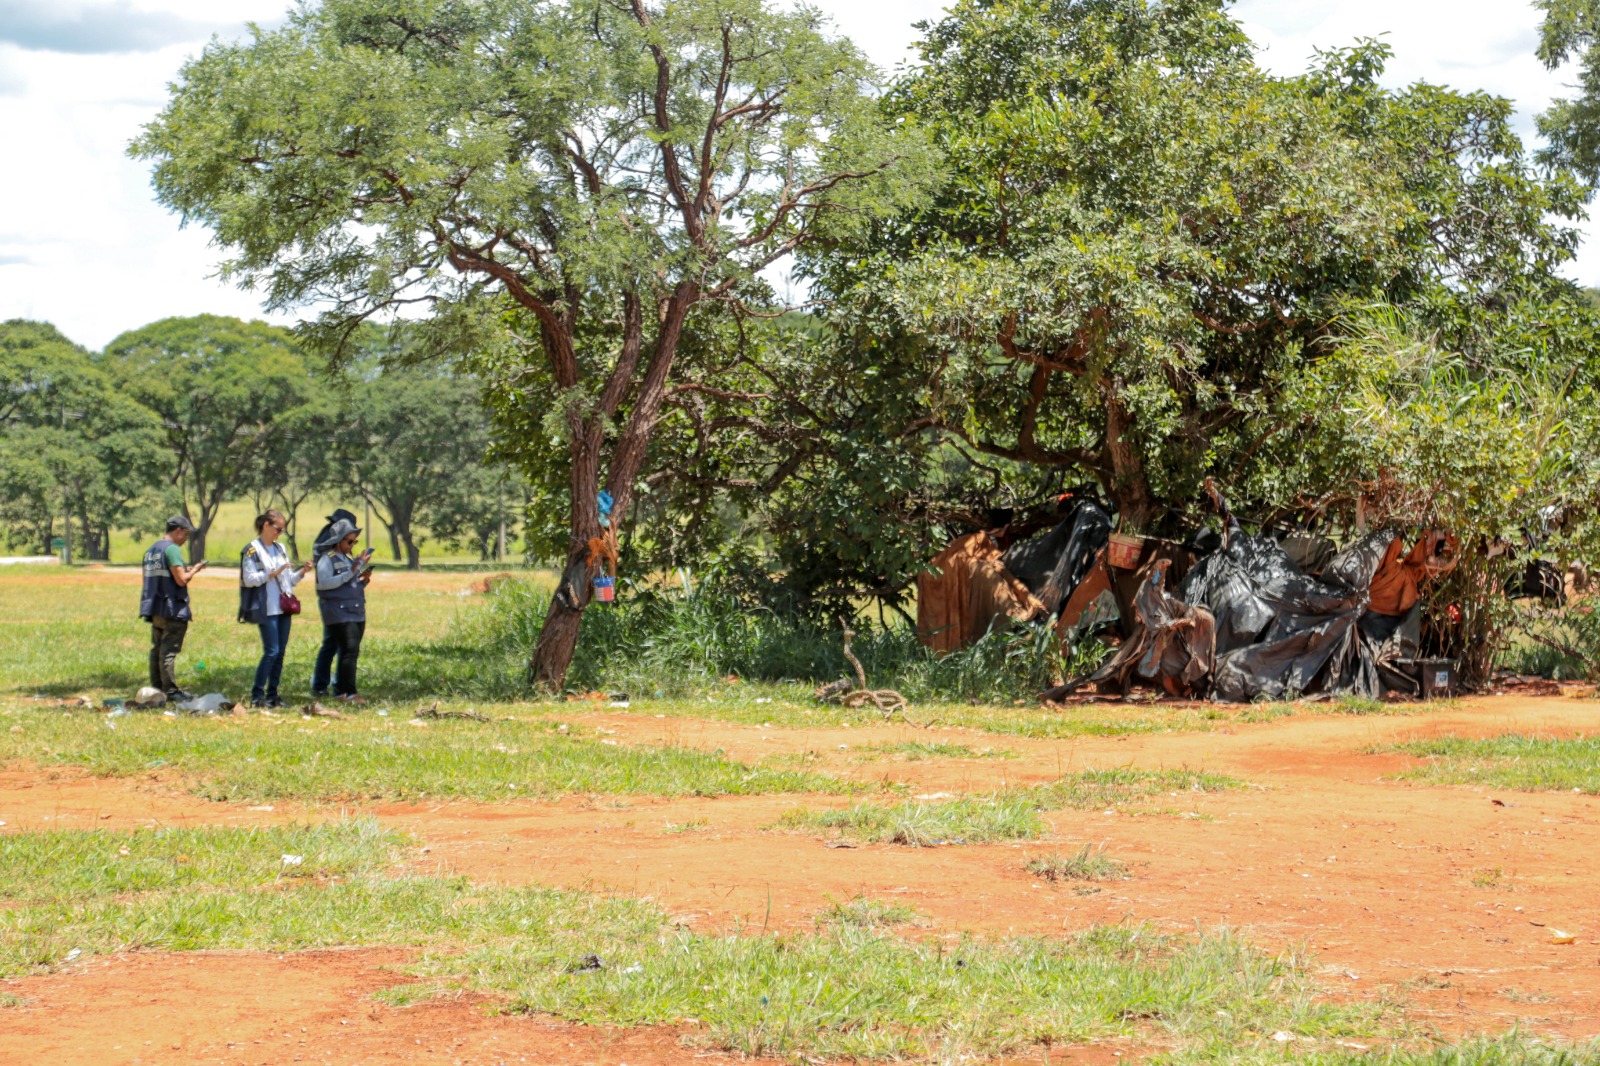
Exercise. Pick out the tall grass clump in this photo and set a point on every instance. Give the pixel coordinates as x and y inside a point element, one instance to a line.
<point>679,641</point>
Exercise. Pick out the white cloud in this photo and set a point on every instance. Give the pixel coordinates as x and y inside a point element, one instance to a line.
<point>89,29</point>
<point>102,257</point>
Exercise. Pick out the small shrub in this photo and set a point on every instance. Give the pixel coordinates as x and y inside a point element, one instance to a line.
<point>1086,864</point>
<point>867,913</point>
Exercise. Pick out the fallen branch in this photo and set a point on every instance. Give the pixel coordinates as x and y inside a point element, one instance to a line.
<point>841,692</point>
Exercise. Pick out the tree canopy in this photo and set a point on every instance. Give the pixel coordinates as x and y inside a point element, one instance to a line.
<point>73,446</point>
<point>561,184</point>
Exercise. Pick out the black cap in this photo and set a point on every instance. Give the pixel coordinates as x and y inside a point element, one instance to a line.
<point>178,521</point>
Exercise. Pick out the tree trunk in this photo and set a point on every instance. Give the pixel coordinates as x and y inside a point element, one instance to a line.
<point>1129,487</point>
<point>558,639</point>
<point>394,541</point>
<point>413,556</point>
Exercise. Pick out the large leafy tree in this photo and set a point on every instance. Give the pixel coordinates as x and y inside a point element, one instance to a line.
<point>73,447</point>
<point>1139,229</point>
<point>220,388</point>
<point>563,183</point>
<point>1143,239</point>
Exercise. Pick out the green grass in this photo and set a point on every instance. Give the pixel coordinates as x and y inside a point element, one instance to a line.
<point>1512,761</point>
<point>1008,814</point>
<point>1086,864</point>
<point>846,991</point>
<point>256,759</point>
<point>43,867</point>
<point>867,913</point>
<point>69,632</point>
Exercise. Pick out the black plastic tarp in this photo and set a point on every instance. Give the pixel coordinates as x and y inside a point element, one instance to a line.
<point>1281,632</point>
<point>1053,564</point>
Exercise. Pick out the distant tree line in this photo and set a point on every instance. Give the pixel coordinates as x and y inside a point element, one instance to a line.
<point>187,414</point>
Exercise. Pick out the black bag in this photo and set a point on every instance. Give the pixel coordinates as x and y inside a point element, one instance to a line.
<point>252,601</point>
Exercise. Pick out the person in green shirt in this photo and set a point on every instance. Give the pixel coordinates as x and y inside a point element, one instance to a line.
<point>164,603</point>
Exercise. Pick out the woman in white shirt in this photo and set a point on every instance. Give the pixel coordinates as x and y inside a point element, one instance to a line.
<point>266,599</point>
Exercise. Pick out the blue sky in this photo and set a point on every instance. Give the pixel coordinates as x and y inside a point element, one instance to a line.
<point>84,245</point>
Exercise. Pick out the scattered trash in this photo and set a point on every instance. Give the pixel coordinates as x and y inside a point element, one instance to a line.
<point>1558,936</point>
<point>147,698</point>
<point>764,699</point>
<point>1283,1037</point>
<point>635,968</point>
<point>114,704</point>
<point>435,713</point>
<point>293,860</point>
<point>382,713</point>
<point>74,953</point>
<point>123,851</point>
<point>210,703</point>
<point>838,844</point>
<point>317,710</point>
<point>263,807</point>
<point>587,964</point>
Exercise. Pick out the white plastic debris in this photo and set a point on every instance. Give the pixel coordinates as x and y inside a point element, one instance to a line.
<point>293,860</point>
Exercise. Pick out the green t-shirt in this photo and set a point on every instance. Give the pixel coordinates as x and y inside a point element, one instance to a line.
<point>174,555</point>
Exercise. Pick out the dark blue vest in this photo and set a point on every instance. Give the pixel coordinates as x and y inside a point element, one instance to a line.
<point>346,602</point>
<point>162,597</point>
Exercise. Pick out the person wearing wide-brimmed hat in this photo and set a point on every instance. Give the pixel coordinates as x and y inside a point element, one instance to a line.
<point>164,603</point>
<point>342,596</point>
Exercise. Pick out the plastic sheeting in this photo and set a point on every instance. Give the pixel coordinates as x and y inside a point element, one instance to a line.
<point>1053,565</point>
<point>1173,649</point>
<point>1281,632</point>
<point>1247,624</point>
<point>967,589</point>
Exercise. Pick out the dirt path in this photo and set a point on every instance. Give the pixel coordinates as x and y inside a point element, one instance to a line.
<point>254,1009</point>
<point>1440,891</point>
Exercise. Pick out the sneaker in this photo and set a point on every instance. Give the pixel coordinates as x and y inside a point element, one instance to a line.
<point>178,695</point>
<point>260,705</point>
<point>351,698</point>
<point>274,702</point>
<point>319,693</point>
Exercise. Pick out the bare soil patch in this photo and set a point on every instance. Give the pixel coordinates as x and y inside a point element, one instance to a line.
<point>269,1010</point>
<point>1439,893</point>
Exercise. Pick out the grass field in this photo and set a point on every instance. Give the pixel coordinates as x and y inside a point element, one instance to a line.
<point>1511,761</point>
<point>872,979</point>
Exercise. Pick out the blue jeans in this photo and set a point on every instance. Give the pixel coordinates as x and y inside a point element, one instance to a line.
<point>274,643</point>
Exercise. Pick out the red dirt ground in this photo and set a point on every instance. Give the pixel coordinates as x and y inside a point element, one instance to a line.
<point>1375,877</point>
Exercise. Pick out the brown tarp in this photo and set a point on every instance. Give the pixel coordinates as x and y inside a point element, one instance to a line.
<point>966,591</point>
<point>1394,589</point>
<point>1174,647</point>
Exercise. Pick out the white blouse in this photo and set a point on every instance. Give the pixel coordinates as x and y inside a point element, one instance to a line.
<point>259,562</point>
